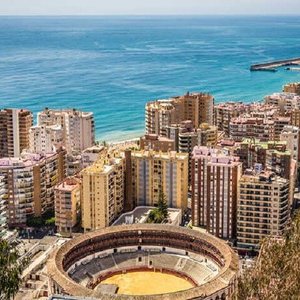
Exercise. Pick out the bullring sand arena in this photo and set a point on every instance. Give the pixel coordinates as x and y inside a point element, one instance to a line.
<point>148,283</point>
<point>143,261</point>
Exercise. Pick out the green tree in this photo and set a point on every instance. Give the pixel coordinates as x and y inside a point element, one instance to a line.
<point>159,213</point>
<point>11,268</point>
<point>50,221</point>
<point>276,272</point>
<point>36,222</point>
<point>162,205</point>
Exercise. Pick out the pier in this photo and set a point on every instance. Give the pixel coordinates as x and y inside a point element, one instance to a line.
<point>273,65</point>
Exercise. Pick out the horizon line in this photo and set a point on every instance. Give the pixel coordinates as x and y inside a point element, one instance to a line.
<point>154,15</point>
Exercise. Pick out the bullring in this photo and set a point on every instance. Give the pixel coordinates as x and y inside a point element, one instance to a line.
<point>80,266</point>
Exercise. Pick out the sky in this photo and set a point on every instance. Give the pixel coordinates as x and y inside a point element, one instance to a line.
<point>148,7</point>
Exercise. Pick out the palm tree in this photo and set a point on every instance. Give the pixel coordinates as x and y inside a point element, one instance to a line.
<point>159,213</point>
<point>11,268</point>
<point>162,205</point>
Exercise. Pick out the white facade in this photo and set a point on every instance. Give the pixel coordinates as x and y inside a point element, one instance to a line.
<point>158,116</point>
<point>290,134</point>
<point>78,127</point>
<point>285,101</point>
<point>45,139</point>
<point>29,184</point>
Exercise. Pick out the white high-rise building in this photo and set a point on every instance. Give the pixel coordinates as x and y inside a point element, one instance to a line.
<point>29,184</point>
<point>45,139</point>
<point>78,127</point>
<point>290,134</point>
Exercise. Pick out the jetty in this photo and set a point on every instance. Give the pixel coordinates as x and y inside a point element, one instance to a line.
<point>273,65</point>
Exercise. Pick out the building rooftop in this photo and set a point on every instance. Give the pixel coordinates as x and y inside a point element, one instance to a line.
<point>207,127</point>
<point>93,149</point>
<point>168,103</point>
<point>27,160</point>
<point>251,120</point>
<point>284,95</point>
<point>279,147</point>
<point>140,215</point>
<point>53,127</point>
<point>68,185</point>
<point>216,156</point>
<point>155,137</point>
<point>231,105</point>
<point>102,166</point>
<point>70,111</point>
<point>265,176</point>
<point>227,142</point>
<point>161,155</point>
<point>22,110</point>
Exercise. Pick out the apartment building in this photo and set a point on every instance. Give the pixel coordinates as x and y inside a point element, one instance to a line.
<point>284,101</point>
<point>279,124</point>
<point>156,143</point>
<point>215,177</point>
<point>67,205</point>
<point>184,136</point>
<point>279,162</point>
<point>207,135</point>
<point>14,131</point>
<point>227,146</point>
<point>91,155</point>
<point>263,207</point>
<point>102,191</point>
<point>3,208</point>
<point>160,114</point>
<point>292,88</point>
<point>224,112</point>
<point>272,155</point>
<point>45,139</point>
<point>295,117</point>
<point>187,137</point>
<point>29,184</point>
<point>152,172</point>
<point>249,127</point>
<point>78,127</point>
<point>290,135</point>
<point>197,107</point>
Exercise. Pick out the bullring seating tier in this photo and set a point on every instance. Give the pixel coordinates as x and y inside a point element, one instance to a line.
<point>195,267</point>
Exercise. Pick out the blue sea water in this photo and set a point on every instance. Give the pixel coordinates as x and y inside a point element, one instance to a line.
<point>114,65</point>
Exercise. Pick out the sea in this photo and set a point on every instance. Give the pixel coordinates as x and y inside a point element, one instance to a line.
<point>113,65</point>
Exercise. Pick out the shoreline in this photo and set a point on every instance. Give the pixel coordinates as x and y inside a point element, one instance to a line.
<point>125,142</point>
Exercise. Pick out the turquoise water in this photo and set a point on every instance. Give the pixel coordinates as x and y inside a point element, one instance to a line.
<point>113,65</point>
